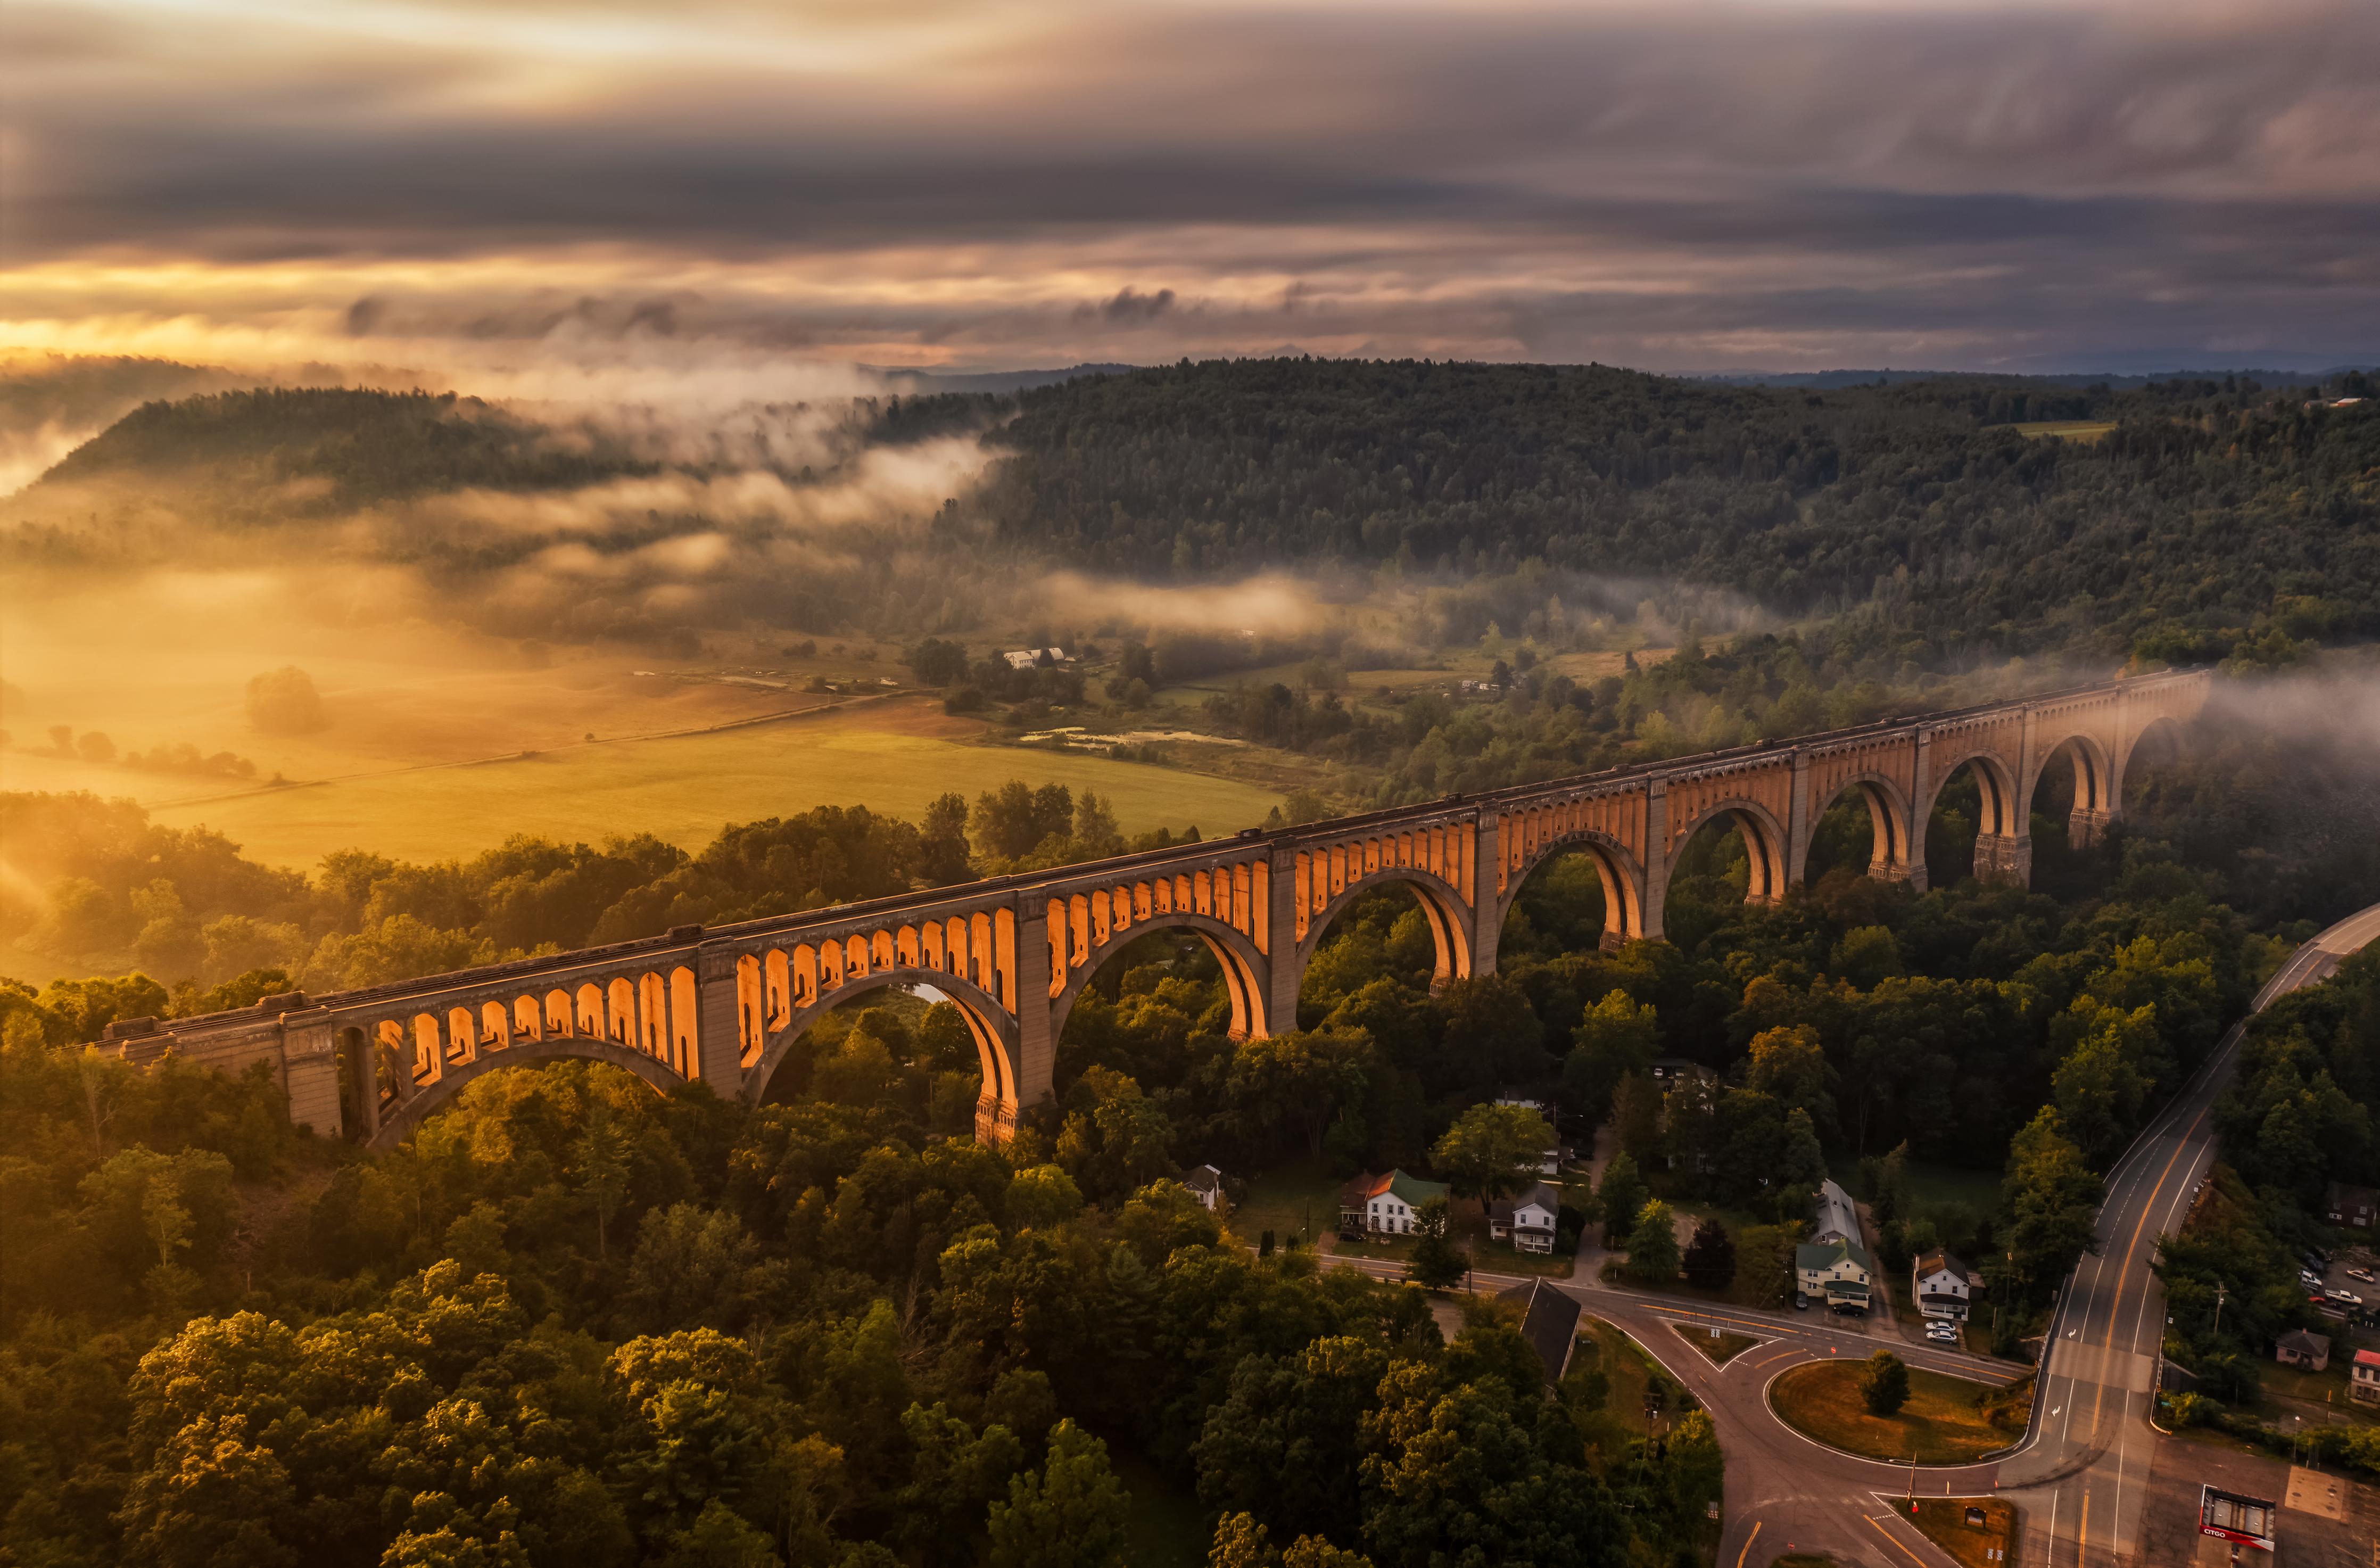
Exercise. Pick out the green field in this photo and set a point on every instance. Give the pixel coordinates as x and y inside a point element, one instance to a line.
<point>2065,429</point>
<point>1942,1424</point>
<point>682,789</point>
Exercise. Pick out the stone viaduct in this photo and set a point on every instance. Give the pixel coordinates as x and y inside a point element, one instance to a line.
<point>724,1004</point>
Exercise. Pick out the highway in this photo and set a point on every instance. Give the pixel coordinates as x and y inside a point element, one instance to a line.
<point>2081,1475</point>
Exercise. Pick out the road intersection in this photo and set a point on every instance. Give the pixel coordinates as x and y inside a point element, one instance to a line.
<point>2080,1471</point>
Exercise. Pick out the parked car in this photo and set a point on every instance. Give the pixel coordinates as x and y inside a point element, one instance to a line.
<point>2363,1274</point>
<point>1801,1301</point>
<point>1941,1333</point>
<point>2346,1297</point>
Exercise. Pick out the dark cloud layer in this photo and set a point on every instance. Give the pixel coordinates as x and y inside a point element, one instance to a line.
<point>1691,186</point>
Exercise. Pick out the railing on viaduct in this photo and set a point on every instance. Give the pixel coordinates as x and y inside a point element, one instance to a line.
<point>724,1004</point>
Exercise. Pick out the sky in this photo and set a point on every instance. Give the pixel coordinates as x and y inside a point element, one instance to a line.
<point>492,189</point>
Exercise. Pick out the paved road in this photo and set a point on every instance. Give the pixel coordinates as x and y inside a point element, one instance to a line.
<point>2082,1473</point>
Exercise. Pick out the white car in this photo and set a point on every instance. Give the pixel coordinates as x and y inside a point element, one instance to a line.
<point>1942,1332</point>
<point>2363,1274</point>
<point>2347,1297</point>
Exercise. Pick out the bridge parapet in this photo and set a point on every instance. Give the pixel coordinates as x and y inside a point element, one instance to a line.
<point>722,1006</point>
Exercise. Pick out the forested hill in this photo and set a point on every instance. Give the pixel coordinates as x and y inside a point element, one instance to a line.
<point>2206,501</point>
<point>357,446</point>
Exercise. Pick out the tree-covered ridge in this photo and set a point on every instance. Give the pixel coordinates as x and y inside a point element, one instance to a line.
<point>1806,502</point>
<point>356,446</point>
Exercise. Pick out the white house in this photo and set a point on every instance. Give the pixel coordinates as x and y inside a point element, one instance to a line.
<point>1942,1284</point>
<point>1026,658</point>
<point>1835,1271</point>
<point>1526,1222</point>
<point>1390,1205</point>
<point>1205,1184</point>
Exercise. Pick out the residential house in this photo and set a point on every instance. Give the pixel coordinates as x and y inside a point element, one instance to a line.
<point>2363,1377</point>
<point>1026,658</point>
<point>2353,1206</point>
<point>1548,1321</point>
<point>2300,1348</point>
<point>1942,1284</point>
<point>1352,1198</point>
<point>1392,1200</point>
<point>1205,1184</point>
<point>1667,1070</point>
<point>1526,1222</point>
<point>1835,1216</point>
<point>1837,1272</point>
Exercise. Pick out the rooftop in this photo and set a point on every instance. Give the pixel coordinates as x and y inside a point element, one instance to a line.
<point>1548,1321</point>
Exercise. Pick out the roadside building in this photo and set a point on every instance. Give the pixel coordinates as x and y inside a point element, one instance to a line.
<point>1394,1199</point>
<point>1352,1198</point>
<point>2354,1206</point>
<point>1548,1321</point>
<point>2301,1347</point>
<point>1205,1184</point>
<point>1528,1220</point>
<point>1941,1286</point>
<point>1835,1216</point>
<point>2363,1377</point>
<point>1837,1272</point>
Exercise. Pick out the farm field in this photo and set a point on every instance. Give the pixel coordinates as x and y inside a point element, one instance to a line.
<point>892,756</point>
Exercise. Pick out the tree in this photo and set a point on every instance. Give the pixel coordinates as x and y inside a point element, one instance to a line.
<point>941,841</point>
<point>1488,1020</point>
<point>1282,1444</point>
<point>1709,1259</point>
<point>1652,1245</point>
<point>1493,1150</point>
<point>1435,1263</point>
<point>1240,1542</point>
<point>284,701</point>
<point>1884,1383</point>
<point>1791,1066</point>
<point>2052,1204</point>
<point>1070,1514</point>
<point>1614,1039</point>
<point>1636,1115</point>
<point>1621,1197</point>
<point>602,1154</point>
<point>1804,1163</point>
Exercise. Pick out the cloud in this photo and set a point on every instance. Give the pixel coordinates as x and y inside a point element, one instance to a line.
<point>1691,186</point>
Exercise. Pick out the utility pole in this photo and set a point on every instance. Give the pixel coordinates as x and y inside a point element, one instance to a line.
<point>2219,1290</point>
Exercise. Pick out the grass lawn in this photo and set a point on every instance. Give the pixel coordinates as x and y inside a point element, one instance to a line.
<point>1930,1184</point>
<point>1942,1423</point>
<point>1943,1521</point>
<point>1298,1198</point>
<point>1721,1345</point>
<point>1634,1375</point>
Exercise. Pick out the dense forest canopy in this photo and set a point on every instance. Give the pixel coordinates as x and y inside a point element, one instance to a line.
<point>1916,494</point>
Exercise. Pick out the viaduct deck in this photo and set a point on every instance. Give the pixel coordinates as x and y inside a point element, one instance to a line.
<point>723,1004</point>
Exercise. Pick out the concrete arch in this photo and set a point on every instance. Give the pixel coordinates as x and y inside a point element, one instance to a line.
<point>1442,905</point>
<point>397,1121</point>
<point>2167,731</point>
<point>1623,882</point>
<point>1997,782</point>
<point>1765,842</point>
<point>1245,969</point>
<point>994,1031</point>
<point>2003,825</point>
<point>1895,847</point>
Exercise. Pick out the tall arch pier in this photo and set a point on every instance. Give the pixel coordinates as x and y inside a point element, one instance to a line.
<point>724,1004</point>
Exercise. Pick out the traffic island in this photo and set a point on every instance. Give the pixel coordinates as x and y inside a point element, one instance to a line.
<point>1721,1345</point>
<point>1978,1532</point>
<point>1943,1421</point>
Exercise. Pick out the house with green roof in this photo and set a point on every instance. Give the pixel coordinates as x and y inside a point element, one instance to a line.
<point>1835,1271</point>
<point>1388,1203</point>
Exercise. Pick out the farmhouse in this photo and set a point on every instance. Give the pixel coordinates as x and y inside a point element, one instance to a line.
<point>1387,1204</point>
<point>1526,1222</point>
<point>1205,1184</point>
